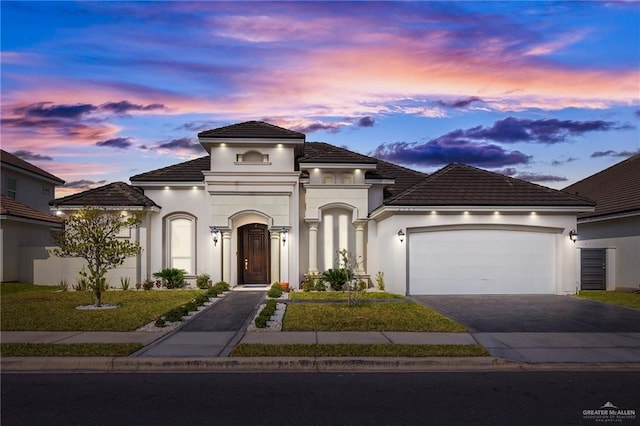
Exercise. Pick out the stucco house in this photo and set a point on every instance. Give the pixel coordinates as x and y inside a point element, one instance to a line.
<point>265,205</point>
<point>25,219</point>
<point>609,236</point>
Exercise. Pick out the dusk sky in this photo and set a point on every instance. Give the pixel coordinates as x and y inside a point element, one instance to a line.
<point>95,92</point>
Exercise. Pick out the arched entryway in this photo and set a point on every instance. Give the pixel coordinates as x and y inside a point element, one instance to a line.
<point>253,254</point>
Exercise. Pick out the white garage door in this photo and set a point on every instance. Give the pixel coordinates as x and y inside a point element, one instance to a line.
<point>481,262</point>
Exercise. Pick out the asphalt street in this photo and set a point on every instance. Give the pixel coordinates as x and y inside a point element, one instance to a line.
<point>487,398</point>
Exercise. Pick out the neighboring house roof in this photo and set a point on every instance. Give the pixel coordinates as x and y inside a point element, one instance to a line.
<point>251,130</point>
<point>320,152</point>
<point>12,160</point>
<point>189,171</point>
<point>12,208</point>
<point>462,185</point>
<point>117,194</point>
<point>616,190</point>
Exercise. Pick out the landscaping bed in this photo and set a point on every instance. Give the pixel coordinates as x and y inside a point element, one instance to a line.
<point>341,295</point>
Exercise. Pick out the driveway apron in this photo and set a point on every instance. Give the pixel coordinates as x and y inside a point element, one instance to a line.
<point>213,332</point>
<point>545,328</point>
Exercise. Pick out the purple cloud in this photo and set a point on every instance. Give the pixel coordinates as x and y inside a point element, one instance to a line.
<point>120,143</point>
<point>441,151</point>
<point>49,110</point>
<point>611,153</point>
<point>366,122</point>
<point>124,107</point>
<point>195,126</point>
<point>460,103</point>
<point>182,143</point>
<point>31,156</point>
<point>561,162</point>
<point>83,184</point>
<point>318,126</point>
<point>530,177</point>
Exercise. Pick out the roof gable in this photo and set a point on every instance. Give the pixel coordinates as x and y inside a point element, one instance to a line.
<point>117,194</point>
<point>11,207</point>
<point>10,159</point>
<point>251,130</point>
<point>462,185</point>
<point>616,189</point>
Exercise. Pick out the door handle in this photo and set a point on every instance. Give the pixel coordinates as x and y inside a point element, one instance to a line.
<point>246,264</point>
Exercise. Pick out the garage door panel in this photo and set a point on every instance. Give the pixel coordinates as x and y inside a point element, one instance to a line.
<point>481,262</point>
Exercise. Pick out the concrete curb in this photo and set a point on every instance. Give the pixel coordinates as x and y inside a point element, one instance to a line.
<point>352,365</point>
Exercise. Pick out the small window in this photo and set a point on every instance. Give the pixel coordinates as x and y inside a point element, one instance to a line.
<point>12,187</point>
<point>46,189</point>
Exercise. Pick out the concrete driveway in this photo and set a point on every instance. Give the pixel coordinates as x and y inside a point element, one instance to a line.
<point>545,328</point>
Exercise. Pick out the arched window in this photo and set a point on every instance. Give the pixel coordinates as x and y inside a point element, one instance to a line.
<point>181,242</point>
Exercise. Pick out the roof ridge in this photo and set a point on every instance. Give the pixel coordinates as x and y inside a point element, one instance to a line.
<point>619,163</point>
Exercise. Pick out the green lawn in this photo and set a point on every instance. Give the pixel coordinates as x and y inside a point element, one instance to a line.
<point>357,350</point>
<point>341,295</point>
<point>401,316</point>
<point>27,307</point>
<point>68,349</point>
<point>631,300</point>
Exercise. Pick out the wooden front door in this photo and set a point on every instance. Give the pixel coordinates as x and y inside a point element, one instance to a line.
<point>253,254</point>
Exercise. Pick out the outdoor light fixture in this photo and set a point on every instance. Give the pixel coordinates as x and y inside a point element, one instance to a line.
<point>214,234</point>
<point>573,235</point>
<point>401,235</point>
<point>284,233</point>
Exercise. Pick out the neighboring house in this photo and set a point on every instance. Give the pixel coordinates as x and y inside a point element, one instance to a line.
<point>265,206</point>
<point>25,221</point>
<point>609,236</point>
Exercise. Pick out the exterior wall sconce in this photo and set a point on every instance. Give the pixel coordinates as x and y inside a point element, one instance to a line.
<point>214,234</point>
<point>284,234</point>
<point>573,235</point>
<point>401,236</point>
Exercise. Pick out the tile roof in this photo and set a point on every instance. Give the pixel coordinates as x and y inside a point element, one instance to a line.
<point>251,129</point>
<point>117,194</point>
<point>320,152</point>
<point>404,178</point>
<point>615,190</point>
<point>189,171</point>
<point>14,161</point>
<point>461,185</point>
<point>11,207</point>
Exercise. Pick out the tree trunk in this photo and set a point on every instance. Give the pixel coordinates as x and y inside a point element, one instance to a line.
<point>98,300</point>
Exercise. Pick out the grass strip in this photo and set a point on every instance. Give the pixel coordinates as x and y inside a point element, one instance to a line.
<point>401,316</point>
<point>357,350</point>
<point>341,295</point>
<point>26,307</point>
<point>68,349</point>
<point>630,300</point>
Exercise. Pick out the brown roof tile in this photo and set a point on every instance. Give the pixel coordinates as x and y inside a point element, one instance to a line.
<point>615,190</point>
<point>11,207</point>
<point>11,159</point>
<point>117,194</point>
<point>320,152</point>
<point>251,129</point>
<point>461,185</point>
<point>189,171</point>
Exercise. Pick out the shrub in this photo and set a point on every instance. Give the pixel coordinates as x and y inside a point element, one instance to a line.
<point>203,281</point>
<point>336,278</point>
<point>275,291</point>
<point>221,287</point>
<point>63,285</point>
<point>380,280</point>
<point>172,277</point>
<point>138,285</point>
<point>212,292</point>
<point>82,284</point>
<point>124,283</point>
<point>173,315</point>
<point>266,313</point>
<point>160,323</point>
<point>148,284</point>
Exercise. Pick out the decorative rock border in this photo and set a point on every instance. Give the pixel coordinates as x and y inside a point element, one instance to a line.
<point>274,323</point>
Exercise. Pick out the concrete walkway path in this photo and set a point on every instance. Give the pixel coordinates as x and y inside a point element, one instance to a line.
<point>213,332</point>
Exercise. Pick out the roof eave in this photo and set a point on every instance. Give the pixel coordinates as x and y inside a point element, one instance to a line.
<point>330,165</point>
<point>386,210</point>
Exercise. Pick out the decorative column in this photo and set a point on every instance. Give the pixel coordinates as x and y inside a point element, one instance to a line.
<point>313,247</point>
<point>226,256</point>
<point>359,226</point>
<point>275,256</point>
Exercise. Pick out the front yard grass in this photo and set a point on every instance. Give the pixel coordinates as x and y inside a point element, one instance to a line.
<point>630,300</point>
<point>341,295</point>
<point>401,316</point>
<point>68,349</point>
<point>26,307</point>
<point>357,350</point>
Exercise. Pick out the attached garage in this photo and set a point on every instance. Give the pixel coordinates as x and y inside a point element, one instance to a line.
<point>481,261</point>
